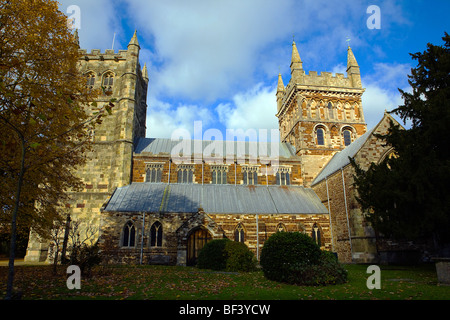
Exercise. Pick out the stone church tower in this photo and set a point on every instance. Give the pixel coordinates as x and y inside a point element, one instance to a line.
<point>320,114</point>
<point>109,163</point>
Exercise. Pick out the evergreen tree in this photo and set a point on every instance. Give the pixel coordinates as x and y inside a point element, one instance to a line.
<point>406,196</point>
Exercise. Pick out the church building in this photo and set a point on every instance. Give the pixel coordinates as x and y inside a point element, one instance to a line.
<point>149,205</point>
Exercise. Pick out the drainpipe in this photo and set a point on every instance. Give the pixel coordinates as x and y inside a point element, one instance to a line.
<point>203,163</point>
<point>257,237</point>
<point>170,162</point>
<point>142,238</point>
<point>267,178</point>
<point>346,212</point>
<point>329,214</point>
<point>235,172</point>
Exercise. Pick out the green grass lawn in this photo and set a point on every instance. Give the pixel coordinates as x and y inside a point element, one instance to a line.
<point>187,283</point>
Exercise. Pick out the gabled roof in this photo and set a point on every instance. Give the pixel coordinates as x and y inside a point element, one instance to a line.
<point>341,159</point>
<point>163,146</point>
<point>215,199</point>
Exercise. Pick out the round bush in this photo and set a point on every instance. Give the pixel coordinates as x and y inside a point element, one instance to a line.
<point>226,255</point>
<point>296,259</point>
<point>284,250</point>
<point>212,256</point>
<point>239,257</point>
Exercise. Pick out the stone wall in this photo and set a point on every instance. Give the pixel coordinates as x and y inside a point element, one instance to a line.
<point>203,173</point>
<point>176,230</point>
<point>178,226</point>
<point>347,218</point>
<point>269,224</point>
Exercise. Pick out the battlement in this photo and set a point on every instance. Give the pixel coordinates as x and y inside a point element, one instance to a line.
<point>326,79</point>
<point>109,54</point>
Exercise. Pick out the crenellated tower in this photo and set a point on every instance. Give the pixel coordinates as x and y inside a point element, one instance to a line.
<point>109,164</point>
<point>320,114</point>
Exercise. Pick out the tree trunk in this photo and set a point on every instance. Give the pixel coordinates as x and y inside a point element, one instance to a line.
<point>12,253</point>
<point>55,261</point>
<point>66,238</point>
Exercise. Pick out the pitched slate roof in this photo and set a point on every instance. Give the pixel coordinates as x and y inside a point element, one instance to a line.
<point>341,159</point>
<point>157,146</point>
<point>229,199</point>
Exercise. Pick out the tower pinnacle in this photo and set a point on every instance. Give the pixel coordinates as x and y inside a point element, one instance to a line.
<point>280,86</point>
<point>296,63</point>
<point>134,40</point>
<point>353,71</point>
<point>145,72</point>
<point>351,60</point>
<point>77,38</point>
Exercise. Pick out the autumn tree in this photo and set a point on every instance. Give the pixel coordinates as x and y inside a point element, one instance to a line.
<point>407,196</point>
<point>45,116</point>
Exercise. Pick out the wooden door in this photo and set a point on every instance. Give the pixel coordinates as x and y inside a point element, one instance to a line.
<point>196,242</point>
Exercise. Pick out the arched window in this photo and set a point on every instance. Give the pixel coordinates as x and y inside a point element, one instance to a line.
<point>283,176</point>
<point>108,82</point>
<point>320,135</point>
<point>315,234</point>
<point>347,137</point>
<point>219,174</point>
<point>108,79</point>
<point>330,111</point>
<point>90,80</point>
<point>156,234</point>
<point>153,172</point>
<point>185,173</point>
<point>129,235</point>
<point>250,175</point>
<point>281,227</point>
<point>239,233</point>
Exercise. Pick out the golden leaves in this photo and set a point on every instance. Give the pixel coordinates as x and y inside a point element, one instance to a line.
<point>42,103</point>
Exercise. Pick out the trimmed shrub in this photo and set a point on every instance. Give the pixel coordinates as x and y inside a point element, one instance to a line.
<point>239,257</point>
<point>226,255</point>
<point>212,256</point>
<point>283,250</point>
<point>294,258</point>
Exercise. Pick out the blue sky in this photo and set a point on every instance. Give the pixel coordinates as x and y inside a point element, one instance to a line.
<point>218,61</point>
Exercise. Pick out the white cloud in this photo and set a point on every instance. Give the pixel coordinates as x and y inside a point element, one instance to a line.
<point>388,75</point>
<point>382,90</point>
<point>200,52</point>
<point>375,101</point>
<point>254,109</point>
<point>208,48</point>
<point>163,118</point>
<point>340,68</point>
<point>98,23</point>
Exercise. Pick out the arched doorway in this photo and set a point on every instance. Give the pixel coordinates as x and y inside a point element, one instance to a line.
<point>196,241</point>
